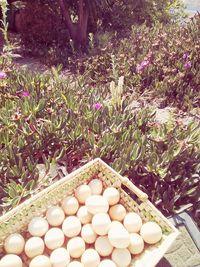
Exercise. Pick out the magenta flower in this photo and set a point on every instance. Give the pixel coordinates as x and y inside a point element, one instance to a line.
<point>98,106</point>
<point>188,65</point>
<point>140,67</point>
<point>24,93</point>
<point>3,75</point>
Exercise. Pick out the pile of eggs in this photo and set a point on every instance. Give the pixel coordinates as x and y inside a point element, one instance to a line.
<point>90,229</point>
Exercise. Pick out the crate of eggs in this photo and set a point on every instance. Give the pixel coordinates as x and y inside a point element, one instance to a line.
<point>91,218</point>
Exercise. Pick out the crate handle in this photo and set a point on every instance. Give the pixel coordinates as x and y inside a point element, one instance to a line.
<point>141,195</point>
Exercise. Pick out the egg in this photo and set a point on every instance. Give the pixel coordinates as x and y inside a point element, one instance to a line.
<point>118,236</point>
<point>70,205</point>
<point>11,260</point>
<point>107,263</point>
<point>59,257</point>
<point>75,264</point>
<point>132,222</point>
<point>40,261</point>
<point>54,238</point>
<point>103,246</point>
<point>90,258</point>
<point>38,226</point>
<point>55,216</point>
<point>96,186</point>
<point>97,204</point>
<point>76,247</point>
<point>117,212</point>
<point>82,193</point>
<point>34,246</point>
<point>121,257</point>
<point>101,223</point>
<point>14,244</point>
<point>151,232</point>
<point>112,195</point>
<point>88,234</point>
<point>83,215</point>
<point>136,244</point>
<point>71,226</point>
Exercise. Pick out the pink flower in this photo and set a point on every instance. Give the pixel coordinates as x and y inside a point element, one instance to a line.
<point>24,94</point>
<point>3,75</point>
<point>98,106</point>
<point>188,65</point>
<point>185,56</point>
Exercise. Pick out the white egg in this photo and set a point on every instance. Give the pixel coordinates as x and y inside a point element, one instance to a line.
<point>34,246</point>
<point>151,232</point>
<point>38,226</point>
<point>54,238</point>
<point>55,216</point>
<point>90,258</point>
<point>83,215</point>
<point>107,263</point>
<point>97,204</point>
<point>59,257</point>
<point>117,212</point>
<point>101,223</point>
<point>76,247</point>
<point>71,226</point>
<point>82,193</point>
<point>88,234</point>
<point>118,236</point>
<point>132,222</point>
<point>103,246</point>
<point>40,261</point>
<point>96,186</point>
<point>136,244</point>
<point>11,260</point>
<point>121,256</point>
<point>70,205</point>
<point>14,244</point>
<point>75,264</point>
<point>112,195</point>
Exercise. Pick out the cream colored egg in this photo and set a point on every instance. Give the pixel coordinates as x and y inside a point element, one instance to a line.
<point>55,216</point>
<point>60,257</point>
<point>76,247</point>
<point>71,226</point>
<point>70,205</point>
<point>38,226</point>
<point>14,244</point>
<point>34,246</point>
<point>97,204</point>
<point>107,263</point>
<point>88,234</point>
<point>121,257</point>
<point>90,258</point>
<point>11,260</point>
<point>96,186</point>
<point>82,193</point>
<point>112,195</point>
<point>117,212</point>
<point>151,232</point>
<point>40,261</point>
<point>83,215</point>
<point>118,236</point>
<point>54,238</point>
<point>132,222</point>
<point>136,244</point>
<point>101,223</point>
<point>75,264</point>
<point>103,246</point>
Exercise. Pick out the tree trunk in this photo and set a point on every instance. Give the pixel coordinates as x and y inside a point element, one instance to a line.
<point>77,31</point>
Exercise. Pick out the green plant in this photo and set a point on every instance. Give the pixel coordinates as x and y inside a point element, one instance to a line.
<point>50,118</point>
